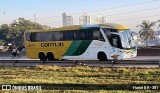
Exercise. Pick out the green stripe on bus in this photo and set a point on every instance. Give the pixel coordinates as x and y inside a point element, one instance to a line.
<point>73,47</point>
<point>83,47</point>
<point>77,47</point>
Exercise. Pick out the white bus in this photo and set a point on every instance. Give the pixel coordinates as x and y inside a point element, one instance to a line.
<point>81,42</point>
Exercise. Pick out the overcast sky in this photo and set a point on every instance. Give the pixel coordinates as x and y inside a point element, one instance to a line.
<point>49,12</point>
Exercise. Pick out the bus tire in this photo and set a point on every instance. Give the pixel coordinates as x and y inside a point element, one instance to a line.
<point>102,56</point>
<point>50,56</point>
<point>42,56</point>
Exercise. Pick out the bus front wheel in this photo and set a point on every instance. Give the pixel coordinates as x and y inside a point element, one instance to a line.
<point>42,56</point>
<point>102,56</point>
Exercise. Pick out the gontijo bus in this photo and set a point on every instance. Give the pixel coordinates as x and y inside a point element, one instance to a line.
<point>92,42</point>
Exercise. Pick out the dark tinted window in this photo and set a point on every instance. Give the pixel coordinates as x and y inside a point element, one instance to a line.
<point>34,37</point>
<point>46,36</point>
<point>28,36</point>
<point>80,35</point>
<point>69,35</point>
<point>97,35</point>
<point>85,34</point>
<point>57,36</point>
<point>89,34</point>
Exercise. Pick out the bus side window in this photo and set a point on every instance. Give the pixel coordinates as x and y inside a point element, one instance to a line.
<point>37,36</point>
<point>53,36</point>
<point>61,36</point>
<point>80,35</point>
<point>96,35</point>
<point>88,34</point>
<point>28,36</point>
<point>47,36</point>
<point>69,35</point>
<point>57,36</point>
<point>33,37</point>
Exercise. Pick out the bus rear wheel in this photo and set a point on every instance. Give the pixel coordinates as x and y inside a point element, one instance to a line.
<point>102,56</point>
<point>50,56</point>
<point>42,56</point>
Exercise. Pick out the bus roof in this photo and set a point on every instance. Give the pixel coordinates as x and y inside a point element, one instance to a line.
<point>77,27</point>
<point>115,26</point>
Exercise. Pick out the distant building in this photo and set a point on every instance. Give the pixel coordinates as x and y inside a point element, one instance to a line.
<point>67,20</point>
<point>84,19</point>
<point>100,20</point>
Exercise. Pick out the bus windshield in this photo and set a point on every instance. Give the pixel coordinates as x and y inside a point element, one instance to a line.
<point>127,39</point>
<point>120,39</point>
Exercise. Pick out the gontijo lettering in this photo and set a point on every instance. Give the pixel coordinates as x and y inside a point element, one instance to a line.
<point>52,44</point>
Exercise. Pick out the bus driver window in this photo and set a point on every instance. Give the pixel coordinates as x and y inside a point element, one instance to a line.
<point>116,41</point>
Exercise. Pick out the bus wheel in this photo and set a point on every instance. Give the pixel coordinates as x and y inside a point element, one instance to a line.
<point>50,56</point>
<point>42,56</point>
<point>102,56</point>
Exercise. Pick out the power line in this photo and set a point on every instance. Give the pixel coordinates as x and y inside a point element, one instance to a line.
<point>117,20</point>
<point>121,6</point>
<point>102,9</point>
<point>138,17</point>
<point>116,14</point>
<point>134,11</point>
<point>151,1</point>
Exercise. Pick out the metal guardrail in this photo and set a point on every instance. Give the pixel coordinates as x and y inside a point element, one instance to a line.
<point>84,62</point>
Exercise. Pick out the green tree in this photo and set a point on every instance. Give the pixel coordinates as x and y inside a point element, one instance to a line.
<point>4,33</point>
<point>13,33</point>
<point>146,31</point>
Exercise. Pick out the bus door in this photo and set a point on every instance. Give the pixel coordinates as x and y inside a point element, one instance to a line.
<point>115,42</point>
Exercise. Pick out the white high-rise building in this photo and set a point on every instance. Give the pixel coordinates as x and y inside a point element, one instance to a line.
<point>67,20</point>
<point>100,20</point>
<point>84,19</point>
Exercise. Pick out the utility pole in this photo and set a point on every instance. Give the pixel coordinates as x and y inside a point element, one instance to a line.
<point>35,21</point>
<point>4,14</point>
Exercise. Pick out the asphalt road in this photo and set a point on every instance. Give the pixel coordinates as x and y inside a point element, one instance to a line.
<point>7,56</point>
<point>98,63</point>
